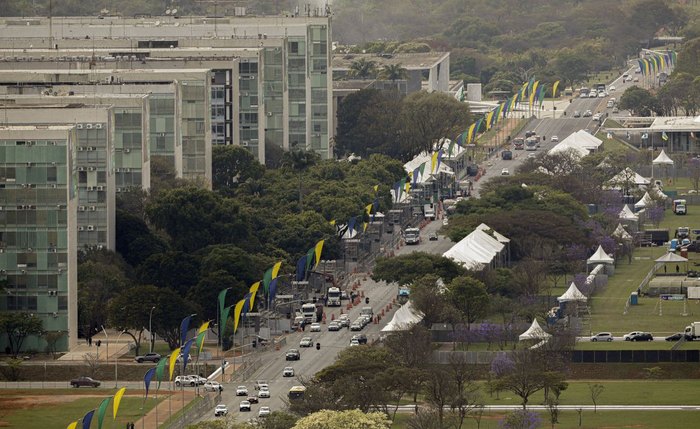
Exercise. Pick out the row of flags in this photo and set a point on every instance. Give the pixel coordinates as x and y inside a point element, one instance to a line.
<point>86,420</point>
<point>657,62</point>
<point>530,92</point>
<point>356,222</point>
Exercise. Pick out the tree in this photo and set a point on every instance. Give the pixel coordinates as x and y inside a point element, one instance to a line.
<point>350,419</point>
<point>572,66</point>
<point>467,396</point>
<point>52,338</point>
<point>469,296</point>
<point>439,391</point>
<point>232,165</point>
<point>134,240</point>
<point>204,294</point>
<point>427,118</point>
<point>694,172</point>
<point>521,419</point>
<point>178,271</point>
<point>393,72</point>
<point>595,391</point>
<point>300,160</point>
<point>363,69</point>
<point>276,420</point>
<point>17,327</point>
<point>638,100</point>
<point>406,269</point>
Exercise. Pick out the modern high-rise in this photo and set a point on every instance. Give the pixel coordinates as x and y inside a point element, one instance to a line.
<point>38,227</point>
<point>284,98</point>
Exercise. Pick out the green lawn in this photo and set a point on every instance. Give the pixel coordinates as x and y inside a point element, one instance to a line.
<point>590,420</point>
<point>46,414</point>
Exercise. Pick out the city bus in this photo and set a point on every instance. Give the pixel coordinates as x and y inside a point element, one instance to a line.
<point>296,392</point>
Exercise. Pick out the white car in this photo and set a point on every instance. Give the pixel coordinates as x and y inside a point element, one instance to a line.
<point>220,410</point>
<point>288,371</point>
<point>241,391</point>
<point>354,342</point>
<point>244,406</point>
<point>306,342</point>
<point>264,412</point>
<point>264,393</point>
<point>602,336</point>
<point>315,327</point>
<point>213,386</point>
<point>628,337</point>
<point>593,94</point>
<point>555,139</point>
<point>612,88</point>
<point>505,172</point>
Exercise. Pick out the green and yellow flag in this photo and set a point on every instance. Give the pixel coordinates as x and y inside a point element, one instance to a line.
<point>117,401</point>
<point>253,291</point>
<point>237,314</point>
<point>318,250</point>
<point>533,92</point>
<point>101,410</point>
<point>489,117</point>
<point>276,269</point>
<point>554,89</point>
<point>73,425</point>
<point>173,361</point>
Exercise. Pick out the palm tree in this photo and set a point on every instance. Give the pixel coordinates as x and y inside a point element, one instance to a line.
<point>393,72</point>
<point>363,69</point>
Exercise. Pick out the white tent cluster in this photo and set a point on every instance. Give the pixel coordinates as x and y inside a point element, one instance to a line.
<point>621,233</point>
<point>648,200</point>
<point>626,214</point>
<point>483,247</point>
<point>626,179</point>
<point>580,142</point>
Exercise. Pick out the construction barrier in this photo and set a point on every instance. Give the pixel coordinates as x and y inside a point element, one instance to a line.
<point>376,320</point>
<point>323,319</point>
<point>332,317</point>
<point>362,294</point>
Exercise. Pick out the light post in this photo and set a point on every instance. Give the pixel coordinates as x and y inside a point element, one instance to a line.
<point>150,327</point>
<point>115,362</point>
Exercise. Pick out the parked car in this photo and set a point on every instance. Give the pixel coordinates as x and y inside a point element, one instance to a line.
<point>602,336</point>
<point>199,380</point>
<point>264,393</point>
<point>264,412</point>
<point>433,236</point>
<point>185,380</point>
<point>241,391</point>
<point>288,371</point>
<point>213,386</point>
<point>315,327</point>
<point>628,337</point>
<point>292,354</point>
<point>642,336</point>
<point>306,342</point>
<point>148,357</point>
<point>675,337</point>
<point>253,399</point>
<point>220,410</point>
<point>244,406</point>
<point>84,381</point>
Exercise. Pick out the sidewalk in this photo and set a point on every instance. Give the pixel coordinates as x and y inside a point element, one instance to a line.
<point>169,405</point>
<point>108,350</point>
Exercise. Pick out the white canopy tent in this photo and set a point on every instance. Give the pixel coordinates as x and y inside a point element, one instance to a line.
<point>476,250</point>
<point>662,159</point>
<point>571,146</point>
<point>404,318</point>
<point>627,178</point>
<point>644,202</point>
<point>534,332</point>
<point>572,294</point>
<point>600,257</point>
<point>627,214</point>
<point>671,257</point>
<point>621,233</point>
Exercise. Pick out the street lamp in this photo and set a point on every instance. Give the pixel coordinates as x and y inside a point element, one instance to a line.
<point>115,362</point>
<point>150,327</point>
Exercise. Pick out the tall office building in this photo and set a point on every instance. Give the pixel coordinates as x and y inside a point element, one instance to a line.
<point>38,227</point>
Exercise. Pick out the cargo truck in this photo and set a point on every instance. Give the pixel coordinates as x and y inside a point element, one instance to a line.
<point>692,331</point>
<point>309,312</point>
<point>333,299</point>
<point>429,211</point>
<point>411,236</point>
<point>680,207</point>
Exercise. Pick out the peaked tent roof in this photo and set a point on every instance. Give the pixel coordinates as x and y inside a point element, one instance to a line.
<point>627,214</point>
<point>600,257</point>
<point>404,318</point>
<point>572,294</point>
<point>671,257</point>
<point>534,332</point>
<point>475,250</point>
<point>585,139</point>
<point>564,145</point>
<point>621,233</point>
<point>662,159</point>
<point>628,176</point>
<point>487,229</point>
<point>645,201</point>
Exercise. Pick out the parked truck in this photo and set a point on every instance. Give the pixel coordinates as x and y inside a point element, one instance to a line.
<point>680,207</point>
<point>333,297</point>
<point>692,331</point>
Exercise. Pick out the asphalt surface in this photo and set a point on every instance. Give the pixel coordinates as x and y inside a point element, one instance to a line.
<point>561,125</point>
<point>312,360</point>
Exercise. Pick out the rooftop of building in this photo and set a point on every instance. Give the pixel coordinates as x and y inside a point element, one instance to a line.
<point>675,123</point>
<point>42,127</point>
<point>413,61</point>
<point>350,85</point>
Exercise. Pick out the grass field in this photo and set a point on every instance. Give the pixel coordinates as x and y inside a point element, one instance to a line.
<point>32,409</point>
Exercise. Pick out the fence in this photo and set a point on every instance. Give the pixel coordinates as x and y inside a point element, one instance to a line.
<point>579,356</point>
<point>191,413</point>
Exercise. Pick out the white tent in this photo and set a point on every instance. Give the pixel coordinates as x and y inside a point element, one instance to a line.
<point>621,233</point>
<point>487,229</point>
<point>627,214</point>
<point>671,257</point>
<point>476,250</point>
<point>626,178</point>
<point>534,332</point>
<point>572,146</point>
<point>426,158</point>
<point>572,294</point>
<point>404,318</point>
<point>585,140</point>
<point>644,202</point>
<point>600,257</point>
<point>662,159</point>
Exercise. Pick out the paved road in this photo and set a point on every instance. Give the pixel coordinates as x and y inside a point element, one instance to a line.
<point>312,360</point>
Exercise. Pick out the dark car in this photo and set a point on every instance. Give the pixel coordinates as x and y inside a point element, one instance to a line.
<point>361,338</point>
<point>253,399</point>
<point>292,354</point>
<point>148,357</point>
<point>84,381</point>
<point>675,337</point>
<point>642,336</point>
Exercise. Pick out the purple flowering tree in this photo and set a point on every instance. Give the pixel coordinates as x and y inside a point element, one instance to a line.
<point>609,244</point>
<point>521,419</point>
<point>490,332</point>
<point>655,215</point>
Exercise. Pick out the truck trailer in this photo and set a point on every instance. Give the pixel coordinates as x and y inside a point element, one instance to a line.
<point>692,331</point>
